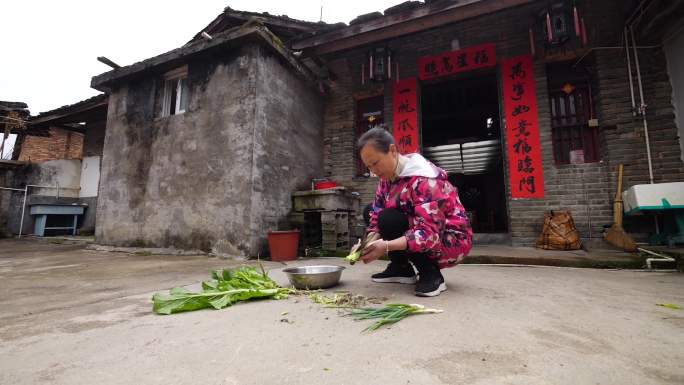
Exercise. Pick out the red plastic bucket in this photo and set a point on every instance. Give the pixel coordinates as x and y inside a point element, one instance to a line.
<point>283,245</point>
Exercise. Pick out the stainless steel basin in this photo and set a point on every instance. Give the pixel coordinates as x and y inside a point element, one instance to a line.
<point>314,277</point>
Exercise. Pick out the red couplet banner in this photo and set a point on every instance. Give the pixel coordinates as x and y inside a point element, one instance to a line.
<point>522,128</point>
<point>405,115</point>
<point>462,60</point>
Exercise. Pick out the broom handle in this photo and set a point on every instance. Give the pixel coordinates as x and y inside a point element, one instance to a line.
<point>618,193</point>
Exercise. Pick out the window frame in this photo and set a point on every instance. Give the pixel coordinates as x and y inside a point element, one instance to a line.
<point>571,130</point>
<point>175,84</point>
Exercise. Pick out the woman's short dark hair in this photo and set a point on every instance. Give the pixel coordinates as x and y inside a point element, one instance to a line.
<point>378,137</point>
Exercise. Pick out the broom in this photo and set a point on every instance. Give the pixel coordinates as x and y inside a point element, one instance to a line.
<point>616,235</point>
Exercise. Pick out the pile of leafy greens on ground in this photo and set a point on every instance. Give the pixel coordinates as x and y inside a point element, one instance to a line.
<point>226,288</point>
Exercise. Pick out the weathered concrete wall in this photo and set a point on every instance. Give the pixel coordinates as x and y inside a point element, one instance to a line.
<point>585,189</point>
<point>288,144</point>
<point>86,223</point>
<point>63,173</point>
<point>7,199</point>
<point>47,171</point>
<point>216,175</point>
<point>93,141</point>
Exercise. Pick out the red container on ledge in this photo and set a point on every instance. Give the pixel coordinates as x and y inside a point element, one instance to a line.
<point>325,185</point>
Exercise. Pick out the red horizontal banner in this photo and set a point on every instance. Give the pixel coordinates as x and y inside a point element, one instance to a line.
<point>462,60</point>
<point>405,115</point>
<point>522,128</point>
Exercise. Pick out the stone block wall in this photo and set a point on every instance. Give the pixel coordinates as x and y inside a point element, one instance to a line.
<point>587,190</point>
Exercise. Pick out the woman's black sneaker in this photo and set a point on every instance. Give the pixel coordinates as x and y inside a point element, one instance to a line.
<point>396,273</point>
<point>431,287</point>
<point>430,280</point>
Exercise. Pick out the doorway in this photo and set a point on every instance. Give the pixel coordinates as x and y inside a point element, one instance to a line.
<point>461,133</point>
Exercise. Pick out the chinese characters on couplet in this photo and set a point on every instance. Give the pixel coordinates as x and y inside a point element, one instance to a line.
<point>522,128</point>
<point>405,115</point>
<point>448,63</point>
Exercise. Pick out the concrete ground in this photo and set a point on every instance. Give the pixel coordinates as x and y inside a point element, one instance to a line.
<point>76,316</point>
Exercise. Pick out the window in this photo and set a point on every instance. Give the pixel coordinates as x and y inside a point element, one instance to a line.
<point>574,140</point>
<point>175,92</point>
<point>369,114</point>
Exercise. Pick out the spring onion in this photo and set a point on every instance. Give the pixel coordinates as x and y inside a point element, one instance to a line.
<point>389,314</point>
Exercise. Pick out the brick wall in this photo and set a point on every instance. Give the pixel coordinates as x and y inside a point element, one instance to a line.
<point>61,144</point>
<point>585,189</point>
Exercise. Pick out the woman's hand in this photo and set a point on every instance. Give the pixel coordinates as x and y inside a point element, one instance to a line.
<point>374,250</point>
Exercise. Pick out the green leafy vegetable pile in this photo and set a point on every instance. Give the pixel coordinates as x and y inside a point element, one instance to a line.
<point>226,288</point>
<point>389,313</point>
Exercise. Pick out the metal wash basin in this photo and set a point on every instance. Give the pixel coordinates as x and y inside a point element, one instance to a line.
<point>314,277</point>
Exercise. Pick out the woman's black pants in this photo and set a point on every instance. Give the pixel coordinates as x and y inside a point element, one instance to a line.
<point>392,224</point>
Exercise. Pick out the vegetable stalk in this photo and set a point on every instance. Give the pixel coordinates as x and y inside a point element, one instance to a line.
<point>389,314</point>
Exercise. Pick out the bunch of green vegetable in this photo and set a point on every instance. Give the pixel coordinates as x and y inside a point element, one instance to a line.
<point>355,254</point>
<point>353,257</point>
<point>226,288</point>
<point>389,314</point>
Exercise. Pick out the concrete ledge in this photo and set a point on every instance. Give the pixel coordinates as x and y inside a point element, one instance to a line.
<point>597,258</point>
<point>145,250</point>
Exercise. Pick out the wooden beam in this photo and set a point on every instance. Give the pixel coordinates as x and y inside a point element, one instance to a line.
<point>391,26</point>
<point>105,60</point>
<point>68,112</point>
<point>70,128</point>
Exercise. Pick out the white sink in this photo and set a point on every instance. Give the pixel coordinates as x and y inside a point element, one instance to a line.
<point>659,196</point>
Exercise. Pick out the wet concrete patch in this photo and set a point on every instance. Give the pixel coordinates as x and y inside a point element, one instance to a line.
<point>467,367</point>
